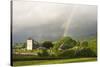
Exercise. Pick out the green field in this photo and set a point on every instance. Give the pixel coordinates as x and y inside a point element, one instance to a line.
<point>56,61</point>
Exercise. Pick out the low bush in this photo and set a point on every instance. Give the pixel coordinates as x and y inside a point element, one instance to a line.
<point>85,52</point>
<point>43,53</point>
<point>68,53</point>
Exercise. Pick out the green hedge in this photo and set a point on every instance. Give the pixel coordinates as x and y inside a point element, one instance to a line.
<point>31,57</point>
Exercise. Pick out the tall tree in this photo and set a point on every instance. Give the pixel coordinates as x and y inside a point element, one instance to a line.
<point>47,44</point>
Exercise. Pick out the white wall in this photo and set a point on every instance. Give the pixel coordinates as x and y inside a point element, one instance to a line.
<point>29,44</point>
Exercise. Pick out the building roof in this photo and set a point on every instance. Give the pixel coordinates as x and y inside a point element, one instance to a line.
<point>29,38</point>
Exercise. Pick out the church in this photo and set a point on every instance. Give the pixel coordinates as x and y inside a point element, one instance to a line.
<point>31,44</point>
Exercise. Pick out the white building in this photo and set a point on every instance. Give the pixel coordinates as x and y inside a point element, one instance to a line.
<point>29,44</point>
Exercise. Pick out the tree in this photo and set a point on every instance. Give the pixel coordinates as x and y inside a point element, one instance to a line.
<point>93,45</point>
<point>24,45</point>
<point>47,44</point>
<point>78,43</point>
<point>84,44</point>
<point>67,42</point>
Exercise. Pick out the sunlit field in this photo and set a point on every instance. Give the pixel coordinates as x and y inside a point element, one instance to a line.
<point>57,61</point>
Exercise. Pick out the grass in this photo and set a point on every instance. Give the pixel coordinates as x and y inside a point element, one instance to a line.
<point>56,61</point>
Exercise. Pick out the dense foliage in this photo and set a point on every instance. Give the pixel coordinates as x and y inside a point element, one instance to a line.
<point>47,44</point>
<point>66,47</point>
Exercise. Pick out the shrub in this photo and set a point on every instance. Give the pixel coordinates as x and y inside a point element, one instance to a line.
<point>93,45</point>
<point>68,53</point>
<point>85,52</point>
<point>43,53</point>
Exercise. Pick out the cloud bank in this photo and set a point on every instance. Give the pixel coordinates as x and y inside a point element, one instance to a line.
<point>47,21</point>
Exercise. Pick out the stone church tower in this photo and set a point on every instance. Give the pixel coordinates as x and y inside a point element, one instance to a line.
<point>29,44</point>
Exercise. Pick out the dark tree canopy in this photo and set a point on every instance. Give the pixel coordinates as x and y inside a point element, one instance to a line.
<point>47,44</point>
<point>84,44</point>
<point>67,42</point>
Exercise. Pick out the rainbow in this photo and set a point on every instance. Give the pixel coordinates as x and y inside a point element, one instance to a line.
<point>67,24</point>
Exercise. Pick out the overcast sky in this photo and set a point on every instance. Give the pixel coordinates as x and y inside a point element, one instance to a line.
<point>49,21</point>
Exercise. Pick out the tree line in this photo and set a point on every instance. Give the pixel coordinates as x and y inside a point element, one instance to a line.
<point>68,48</point>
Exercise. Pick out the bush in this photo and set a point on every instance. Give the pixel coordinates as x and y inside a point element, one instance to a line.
<point>68,53</point>
<point>43,53</point>
<point>78,52</point>
<point>93,45</point>
<point>85,52</point>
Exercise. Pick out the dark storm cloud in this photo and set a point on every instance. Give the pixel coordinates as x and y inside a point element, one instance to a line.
<point>45,21</point>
